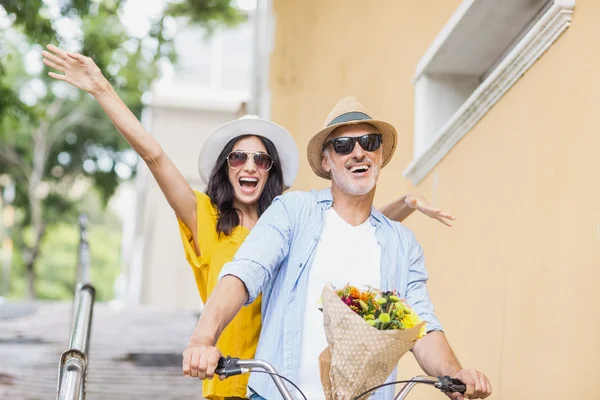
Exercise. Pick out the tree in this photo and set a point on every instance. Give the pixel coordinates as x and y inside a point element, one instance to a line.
<point>56,268</point>
<point>55,140</point>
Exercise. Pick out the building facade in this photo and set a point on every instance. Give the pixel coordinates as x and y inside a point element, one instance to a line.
<point>496,109</point>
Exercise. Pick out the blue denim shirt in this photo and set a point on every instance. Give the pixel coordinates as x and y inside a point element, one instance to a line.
<point>275,259</point>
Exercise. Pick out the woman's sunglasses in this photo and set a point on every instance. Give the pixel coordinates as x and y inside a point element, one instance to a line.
<point>345,145</point>
<point>237,159</point>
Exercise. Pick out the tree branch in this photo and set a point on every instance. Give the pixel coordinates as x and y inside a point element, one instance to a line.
<point>42,135</point>
<point>12,158</point>
<point>61,127</point>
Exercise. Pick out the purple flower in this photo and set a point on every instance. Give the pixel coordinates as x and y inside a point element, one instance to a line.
<point>352,303</point>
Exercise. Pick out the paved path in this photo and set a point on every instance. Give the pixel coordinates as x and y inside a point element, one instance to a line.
<point>135,353</point>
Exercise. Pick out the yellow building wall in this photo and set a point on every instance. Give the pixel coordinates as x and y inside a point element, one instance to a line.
<point>516,281</point>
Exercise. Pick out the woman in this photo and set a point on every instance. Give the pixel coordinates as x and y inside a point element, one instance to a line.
<point>245,164</point>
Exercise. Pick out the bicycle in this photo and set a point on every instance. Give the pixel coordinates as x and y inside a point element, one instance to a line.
<point>234,366</point>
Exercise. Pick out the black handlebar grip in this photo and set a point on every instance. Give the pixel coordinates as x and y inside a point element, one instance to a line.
<point>228,367</point>
<point>451,385</point>
<point>221,366</point>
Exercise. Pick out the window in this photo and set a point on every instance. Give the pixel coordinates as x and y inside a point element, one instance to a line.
<point>485,47</point>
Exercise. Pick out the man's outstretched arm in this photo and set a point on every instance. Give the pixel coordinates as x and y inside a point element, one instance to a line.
<point>201,356</point>
<point>240,282</point>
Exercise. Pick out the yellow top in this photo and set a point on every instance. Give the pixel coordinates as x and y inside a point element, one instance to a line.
<point>240,337</point>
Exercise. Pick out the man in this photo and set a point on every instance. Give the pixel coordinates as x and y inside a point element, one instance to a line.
<point>305,240</point>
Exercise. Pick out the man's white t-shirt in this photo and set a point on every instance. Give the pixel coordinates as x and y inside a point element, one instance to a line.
<point>344,254</point>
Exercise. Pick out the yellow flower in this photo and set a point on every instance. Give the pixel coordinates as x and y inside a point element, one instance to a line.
<point>410,320</point>
<point>381,300</point>
<point>363,305</point>
<point>384,317</point>
<point>371,322</point>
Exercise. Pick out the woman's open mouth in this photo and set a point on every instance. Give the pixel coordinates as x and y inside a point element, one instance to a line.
<point>248,184</point>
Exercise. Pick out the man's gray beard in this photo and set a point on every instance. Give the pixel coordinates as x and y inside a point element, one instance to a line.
<point>348,186</point>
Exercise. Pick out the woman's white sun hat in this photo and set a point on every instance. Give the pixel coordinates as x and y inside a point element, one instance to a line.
<point>250,125</point>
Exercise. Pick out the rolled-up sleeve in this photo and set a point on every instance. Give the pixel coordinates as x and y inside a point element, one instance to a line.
<point>260,256</point>
<point>417,294</point>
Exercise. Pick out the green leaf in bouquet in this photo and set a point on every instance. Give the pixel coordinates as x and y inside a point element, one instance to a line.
<point>397,324</point>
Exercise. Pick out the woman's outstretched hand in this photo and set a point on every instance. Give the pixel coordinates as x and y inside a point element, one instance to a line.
<point>420,203</point>
<point>78,70</point>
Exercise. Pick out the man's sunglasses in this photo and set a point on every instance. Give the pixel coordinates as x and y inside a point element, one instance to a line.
<point>345,145</point>
<point>237,159</point>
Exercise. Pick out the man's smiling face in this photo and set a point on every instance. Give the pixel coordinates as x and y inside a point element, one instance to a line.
<point>355,173</point>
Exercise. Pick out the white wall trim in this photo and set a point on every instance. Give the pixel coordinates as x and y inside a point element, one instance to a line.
<point>442,37</point>
<point>539,38</point>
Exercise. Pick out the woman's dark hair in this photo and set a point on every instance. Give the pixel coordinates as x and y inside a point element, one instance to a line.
<point>222,194</point>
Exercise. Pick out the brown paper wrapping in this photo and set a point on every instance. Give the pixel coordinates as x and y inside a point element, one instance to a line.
<point>358,356</point>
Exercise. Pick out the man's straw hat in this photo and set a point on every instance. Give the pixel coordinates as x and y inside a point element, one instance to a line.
<point>349,111</point>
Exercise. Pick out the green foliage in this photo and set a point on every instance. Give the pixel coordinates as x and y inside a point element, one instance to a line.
<point>47,123</point>
<point>129,63</point>
<point>32,17</point>
<point>56,267</point>
<point>208,13</point>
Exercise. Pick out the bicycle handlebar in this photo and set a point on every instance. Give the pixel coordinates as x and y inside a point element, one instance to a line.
<point>234,366</point>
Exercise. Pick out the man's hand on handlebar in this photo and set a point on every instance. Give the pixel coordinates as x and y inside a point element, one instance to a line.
<point>478,385</point>
<point>200,361</point>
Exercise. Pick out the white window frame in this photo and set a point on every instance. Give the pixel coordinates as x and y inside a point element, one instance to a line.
<point>429,151</point>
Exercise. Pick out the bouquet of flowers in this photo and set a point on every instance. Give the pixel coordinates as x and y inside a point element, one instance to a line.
<point>367,332</point>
